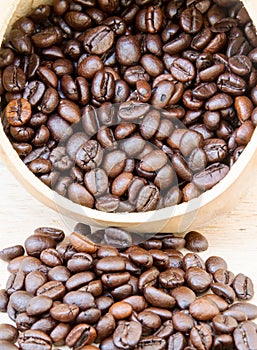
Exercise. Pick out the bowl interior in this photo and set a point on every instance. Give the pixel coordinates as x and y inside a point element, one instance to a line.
<point>178,218</point>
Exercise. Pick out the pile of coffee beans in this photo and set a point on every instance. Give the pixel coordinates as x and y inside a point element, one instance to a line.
<point>120,295</point>
<point>124,105</point>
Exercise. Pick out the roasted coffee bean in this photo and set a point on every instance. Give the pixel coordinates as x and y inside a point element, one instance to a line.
<point>182,70</point>
<point>171,278</point>
<point>244,107</point>
<point>79,280</point>
<point>225,291</point>
<point>158,298</point>
<point>203,48</point>
<point>128,50</point>
<point>34,280</point>
<point>10,253</point>
<point>3,300</point>
<point>6,57</point>
<point>198,279</point>
<point>8,333</point>
<point>13,79</point>
<point>232,84</point>
<point>201,336</point>
<point>214,263</point>
<point>34,338</point>
<point>191,20</point>
<point>184,296</point>
<point>82,299</point>
<point>177,341</point>
<point>105,326</point>
<point>27,264</point>
<point>15,282</point>
<point>89,155</point>
<point>103,86</point>
<point>210,176</point>
<point>56,234</point>
<point>53,289</point>
<point>35,244</point>
<point>245,334</point>
<point>18,112</point>
<point>223,276</point>
<point>249,309</point>
<point>195,242</point>
<point>203,309</point>
<point>38,305</point>
<point>243,287</point>
<point>127,334</point>
<point>177,45</point>
<point>80,336</point>
<point>224,324</point>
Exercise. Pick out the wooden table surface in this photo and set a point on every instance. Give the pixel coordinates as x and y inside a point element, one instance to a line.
<point>233,236</point>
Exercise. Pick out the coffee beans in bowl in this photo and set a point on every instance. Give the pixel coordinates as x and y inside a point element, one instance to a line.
<point>130,107</point>
<point>87,293</point>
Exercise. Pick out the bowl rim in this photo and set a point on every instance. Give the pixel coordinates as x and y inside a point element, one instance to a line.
<point>45,194</point>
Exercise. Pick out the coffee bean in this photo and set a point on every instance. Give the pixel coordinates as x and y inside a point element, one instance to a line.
<point>177,341</point>
<point>201,335</point>
<point>98,40</point>
<point>184,296</point>
<point>111,264</point>
<point>3,300</point>
<point>89,155</point>
<point>210,176</point>
<point>223,276</point>
<point>18,112</point>
<point>215,263</point>
<point>177,45</point>
<point>82,244</point>
<point>46,37</point>
<point>43,63</point>
<point>10,253</point>
<point>244,107</point>
<point>128,50</point>
<point>224,324</point>
<point>6,345</point>
<point>198,279</point>
<point>203,310</point>
<point>127,334</point>
<point>196,242</point>
<point>243,287</point>
<point>13,79</point>
<point>35,244</point>
<point>182,70</point>
<point>8,333</point>
<point>55,233</point>
<point>147,198</point>
<point>34,338</point>
<point>80,336</point>
<point>53,289</point>
<point>245,333</point>
<point>83,300</point>
<point>249,309</point>
<point>34,280</point>
<point>105,326</point>
<point>191,20</point>
<point>39,305</point>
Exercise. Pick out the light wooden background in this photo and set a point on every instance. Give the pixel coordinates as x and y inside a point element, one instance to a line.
<point>233,236</point>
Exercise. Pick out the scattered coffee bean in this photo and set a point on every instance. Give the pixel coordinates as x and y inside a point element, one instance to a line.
<point>120,295</point>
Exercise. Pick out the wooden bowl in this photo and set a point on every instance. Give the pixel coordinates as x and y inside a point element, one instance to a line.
<point>179,218</point>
